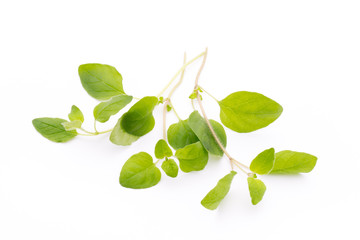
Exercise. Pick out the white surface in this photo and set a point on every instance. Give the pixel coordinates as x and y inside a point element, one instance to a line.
<point>303,54</point>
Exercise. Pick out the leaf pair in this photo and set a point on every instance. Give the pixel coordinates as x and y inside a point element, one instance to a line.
<point>162,150</point>
<point>283,162</point>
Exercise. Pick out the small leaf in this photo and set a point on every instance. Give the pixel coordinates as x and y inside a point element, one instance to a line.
<point>202,131</point>
<point>119,136</point>
<point>52,129</point>
<point>170,167</point>
<point>248,111</point>
<point>73,125</point>
<point>139,171</point>
<point>264,162</point>
<point>76,114</point>
<point>162,149</point>
<point>192,95</point>
<point>168,108</point>
<point>291,162</point>
<point>193,157</point>
<point>103,111</point>
<point>139,120</point>
<point>180,135</point>
<point>257,189</point>
<point>101,81</point>
<point>212,200</point>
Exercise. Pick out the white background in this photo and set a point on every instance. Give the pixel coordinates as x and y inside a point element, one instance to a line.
<point>303,54</point>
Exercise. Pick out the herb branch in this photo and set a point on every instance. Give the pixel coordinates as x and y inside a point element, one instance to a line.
<point>186,145</point>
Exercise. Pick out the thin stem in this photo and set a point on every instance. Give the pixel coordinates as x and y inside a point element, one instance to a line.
<point>239,166</point>
<point>87,131</point>
<point>81,134</point>
<point>200,69</point>
<point>208,94</point>
<point>96,131</point>
<point>196,89</point>
<point>178,72</point>
<point>168,101</point>
<point>106,131</point>
<point>172,107</point>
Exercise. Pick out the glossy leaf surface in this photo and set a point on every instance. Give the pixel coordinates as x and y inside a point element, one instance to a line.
<point>104,110</point>
<point>193,157</point>
<point>139,171</point>
<point>212,200</point>
<point>52,129</point>
<point>139,120</point>
<point>180,135</point>
<point>198,124</point>
<point>291,162</point>
<point>101,81</point>
<point>248,111</point>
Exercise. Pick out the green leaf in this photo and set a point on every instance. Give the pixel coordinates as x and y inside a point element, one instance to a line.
<point>52,129</point>
<point>248,111</point>
<point>198,124</point>
<point>291,162</point>
<point>180,135</point>
<point>139,171</point>
<point>168,108</point>
<point>162,149</point>
<point>193,157</point>
<point>119,136</point>
<point>257,189</point>
<point>170,167</point>
<point>139,120</point>
<point>101,81</point>
<point>73,125</point>
<point>76,114</point>
<point>103,111</point>
<point>264,162</point>
<point>212,200</point>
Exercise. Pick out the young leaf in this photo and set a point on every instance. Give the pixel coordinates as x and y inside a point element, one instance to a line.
<point>212,200</point>
<point>257,189</point>
<point>291,162</point>
<point>170,167</point>
<point>73,125</point>
<point>264,162</point>
<point>119,136</point>
<point>139,120</point>
<point>193,157</point>
<point>101,81</point>
<point>76,114</point>
<point>139,171</point>
<point>180,135</point>
<point>248,111</point>
<point>162,149</point>
<point>103,111</point>
<point>52,129</point>
<point>198,124</point>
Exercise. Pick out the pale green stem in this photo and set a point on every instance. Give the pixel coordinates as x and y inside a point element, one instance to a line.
<point>208,94</point>
<point>172,107</point>
<point>96,131</point>
<point>178,72</point>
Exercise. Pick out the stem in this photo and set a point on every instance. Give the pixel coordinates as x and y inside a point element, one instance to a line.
<point>208,94</point>
<point>87,131</point>
<point>232,160</point>
<point>81,134</point>
<point>172,107</point>
<point>200,69</point>
<point>168,101</point>
<point>93,133</point>
<point>96,131</point>
<point>178,72</point>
